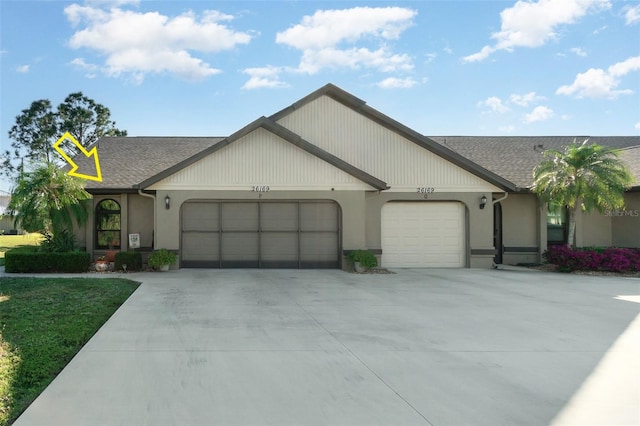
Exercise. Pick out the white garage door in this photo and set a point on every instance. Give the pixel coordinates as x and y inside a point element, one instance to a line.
<point>423,234</point>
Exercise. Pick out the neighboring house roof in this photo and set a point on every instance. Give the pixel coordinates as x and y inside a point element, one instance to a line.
<point>514,157</point>
<point>128,163</point>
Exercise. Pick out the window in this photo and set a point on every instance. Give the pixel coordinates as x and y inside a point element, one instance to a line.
<point>557,226</point>
<point>108,224</point>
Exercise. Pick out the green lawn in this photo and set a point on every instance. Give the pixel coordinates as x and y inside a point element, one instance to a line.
<point>43,323</point>
<point>10,241</point>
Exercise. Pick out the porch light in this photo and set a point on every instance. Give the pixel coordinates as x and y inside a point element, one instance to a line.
<point>483,202</point>
<point>167,202</point>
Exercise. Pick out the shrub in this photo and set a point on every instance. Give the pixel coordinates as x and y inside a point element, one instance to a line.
<point>161,257</point>
<point>28,259</point>
<point>133,260</point>
<point>366,258</point>
<point>61,241</point>
<point>612,259</point>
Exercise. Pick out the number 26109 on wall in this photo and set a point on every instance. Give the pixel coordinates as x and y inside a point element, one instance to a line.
<point>426,190</point>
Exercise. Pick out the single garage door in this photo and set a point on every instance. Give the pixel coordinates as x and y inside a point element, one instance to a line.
<point>249,234</point>
<point>423,234</point>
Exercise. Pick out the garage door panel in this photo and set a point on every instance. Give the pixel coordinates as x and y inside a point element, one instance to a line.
<point>201,246</point>
<point>240,250</point>
<point>319,250</point>
<point>423,234</point>
<point>279,217</point>
<point>201,217</point>
<point>318,245</point>
<point>318,217</point>
<point>240,217</point>
<point>279,250</point>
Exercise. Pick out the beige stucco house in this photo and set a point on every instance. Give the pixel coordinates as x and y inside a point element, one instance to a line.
<point>330,174</point>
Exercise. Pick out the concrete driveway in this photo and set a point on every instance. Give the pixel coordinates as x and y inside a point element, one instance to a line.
<point>418,347</point>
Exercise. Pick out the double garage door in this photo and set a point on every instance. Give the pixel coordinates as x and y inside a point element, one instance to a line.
<point>423,234</point>
<point>239,234</point>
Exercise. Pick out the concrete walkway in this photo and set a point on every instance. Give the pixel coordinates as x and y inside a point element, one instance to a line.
<point>419,347</point>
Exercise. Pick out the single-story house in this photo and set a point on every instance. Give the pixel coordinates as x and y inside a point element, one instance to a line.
<point>6,220</point>
<point>330,174</point>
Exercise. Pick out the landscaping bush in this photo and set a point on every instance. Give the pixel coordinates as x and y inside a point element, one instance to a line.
<point>366,258</point>
<point>61,241</point>
<point>611,259</point>
<point>29,259</point>
<point>133,260</point>
<point>161,257</point>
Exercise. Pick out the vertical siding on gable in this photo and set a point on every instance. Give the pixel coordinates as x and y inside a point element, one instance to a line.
<point>261,158</point>
<point>375,149</point>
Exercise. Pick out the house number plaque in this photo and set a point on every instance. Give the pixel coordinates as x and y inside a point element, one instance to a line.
<point>425,191</point>
<point>260,188</point>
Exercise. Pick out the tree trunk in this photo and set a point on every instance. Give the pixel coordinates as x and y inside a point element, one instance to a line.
<point>572,224</point>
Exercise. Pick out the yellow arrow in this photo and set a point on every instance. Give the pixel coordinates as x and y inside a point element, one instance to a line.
<point>74,166</point>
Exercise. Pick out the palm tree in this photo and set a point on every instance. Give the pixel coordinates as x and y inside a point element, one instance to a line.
<point>585,176</point>
<point>47,200</point>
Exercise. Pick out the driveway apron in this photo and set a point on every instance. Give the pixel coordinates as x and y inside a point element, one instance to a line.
<point>289,347</point>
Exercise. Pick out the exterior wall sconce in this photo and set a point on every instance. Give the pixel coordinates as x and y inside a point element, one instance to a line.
<point>483,202</point>
<point>167,202</point>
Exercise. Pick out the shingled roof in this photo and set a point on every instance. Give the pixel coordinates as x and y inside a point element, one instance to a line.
<point>514,157</point>
<point>127,161</point>
<point>506,161</point>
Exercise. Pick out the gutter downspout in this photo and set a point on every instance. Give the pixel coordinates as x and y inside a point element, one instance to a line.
<point>506,194</point>
<point>153,197</point>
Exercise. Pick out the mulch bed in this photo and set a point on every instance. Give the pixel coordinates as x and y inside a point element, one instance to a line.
<point>547,267</point>
<point>374,271</point>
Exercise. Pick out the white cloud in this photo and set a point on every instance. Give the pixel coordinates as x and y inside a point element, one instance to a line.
<point>397,83</point>
<point>137,43</point>
<point>526,99</point>
<point>632,15</point>
<point>578,51</point>
<point>494,104</point>
<point>90,69</point>
<point>598,83</point>
<point>637,126</point>
<point>268,76</point>
<point>599,30</point>
<point>330,58</point>
<point>23,69</point>
<point>342,39</point>
<point>327,28</point>
<point>532,24</point>
<point>539,113</point>
<point>481,55</point>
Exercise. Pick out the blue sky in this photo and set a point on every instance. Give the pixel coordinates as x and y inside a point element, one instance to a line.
<point>207,68</point>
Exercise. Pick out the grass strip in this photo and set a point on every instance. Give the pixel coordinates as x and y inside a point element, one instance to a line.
<point>44,322</point>
<point>7,242</point>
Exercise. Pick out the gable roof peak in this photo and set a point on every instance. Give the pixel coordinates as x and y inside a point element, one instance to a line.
<point>330,90</point>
